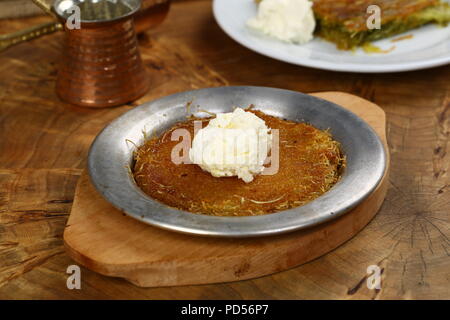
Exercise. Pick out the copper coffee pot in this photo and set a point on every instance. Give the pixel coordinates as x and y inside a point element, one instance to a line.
<point>101,65</point>
<point>151,13</point>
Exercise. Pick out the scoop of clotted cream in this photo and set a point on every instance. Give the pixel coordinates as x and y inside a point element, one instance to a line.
<point>286,20</point>
<point>232,144</point>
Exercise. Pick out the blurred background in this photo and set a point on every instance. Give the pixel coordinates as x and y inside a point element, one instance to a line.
<point>19,8</point>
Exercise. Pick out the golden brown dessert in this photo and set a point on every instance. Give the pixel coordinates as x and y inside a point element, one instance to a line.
<point>310,163</point>
<point>344,21</point>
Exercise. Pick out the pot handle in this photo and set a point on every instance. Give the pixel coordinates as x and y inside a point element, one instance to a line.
<point>11,39</point>
<point>14,38</point>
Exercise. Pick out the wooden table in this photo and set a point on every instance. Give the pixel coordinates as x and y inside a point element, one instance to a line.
<point>43,150</point>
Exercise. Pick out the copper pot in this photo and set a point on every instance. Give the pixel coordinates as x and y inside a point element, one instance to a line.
<point>151,13</point>
<point>101,65</point>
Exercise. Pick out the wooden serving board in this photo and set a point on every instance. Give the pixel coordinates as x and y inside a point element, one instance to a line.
<point>105,240</point>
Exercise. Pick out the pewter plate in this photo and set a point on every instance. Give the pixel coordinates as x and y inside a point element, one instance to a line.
<point>111,154</point>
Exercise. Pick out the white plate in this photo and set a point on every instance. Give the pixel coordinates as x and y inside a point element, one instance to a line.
<point>429,47</point>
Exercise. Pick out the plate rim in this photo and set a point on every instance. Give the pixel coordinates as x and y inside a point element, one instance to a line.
<point>325,65</point>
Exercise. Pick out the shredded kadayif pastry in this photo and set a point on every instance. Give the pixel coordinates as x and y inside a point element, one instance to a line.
<point>310,163</point>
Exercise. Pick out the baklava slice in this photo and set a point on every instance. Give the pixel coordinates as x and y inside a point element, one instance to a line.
<point>344,22</point>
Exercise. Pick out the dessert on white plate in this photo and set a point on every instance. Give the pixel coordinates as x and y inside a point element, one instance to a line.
<point>424,47</point>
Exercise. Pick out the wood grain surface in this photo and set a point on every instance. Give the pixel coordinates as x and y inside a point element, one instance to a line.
<point>44,144</point>
<point>103,239</point>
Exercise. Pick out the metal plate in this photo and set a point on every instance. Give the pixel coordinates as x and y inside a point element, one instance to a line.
<point>110,154</point>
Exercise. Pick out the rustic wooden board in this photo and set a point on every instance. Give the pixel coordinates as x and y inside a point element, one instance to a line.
<point>103,239</point>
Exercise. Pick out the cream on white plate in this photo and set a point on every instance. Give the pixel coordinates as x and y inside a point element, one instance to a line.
<point>287,20</point>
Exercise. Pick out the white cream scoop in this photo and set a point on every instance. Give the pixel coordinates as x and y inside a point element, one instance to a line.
<point>232,144</point>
